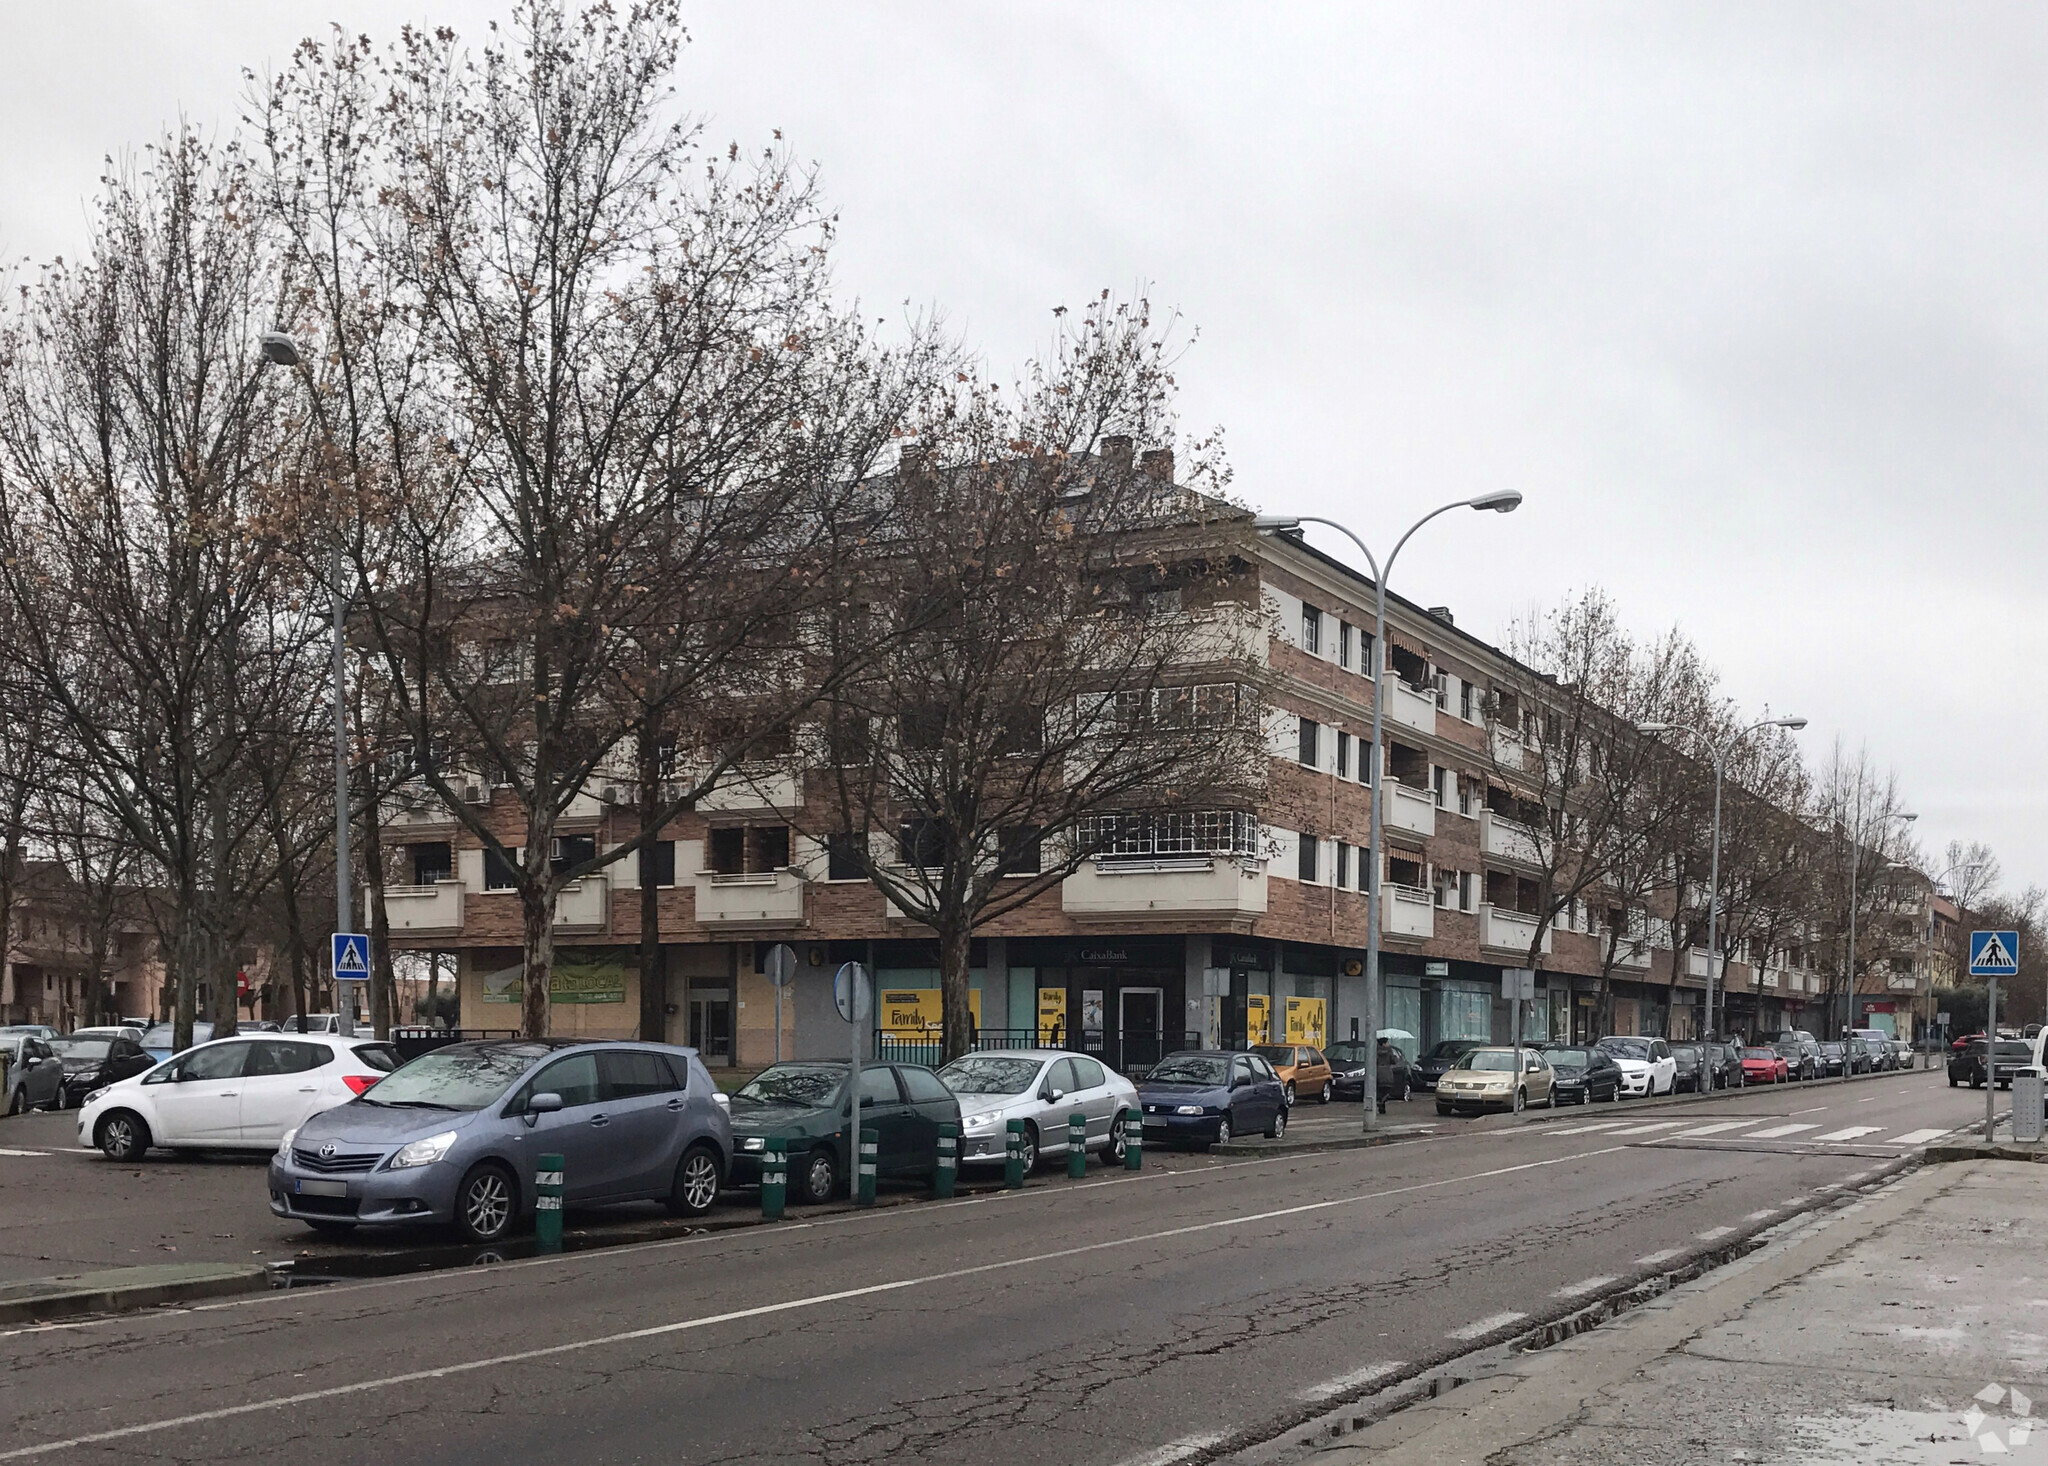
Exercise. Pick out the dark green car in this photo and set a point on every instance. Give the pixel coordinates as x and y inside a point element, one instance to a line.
<point>805,1104</point>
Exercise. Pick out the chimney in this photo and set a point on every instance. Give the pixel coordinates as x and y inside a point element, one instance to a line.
<point>1443,614</point>
<point>1158,464</point>
<point>1116,453</point>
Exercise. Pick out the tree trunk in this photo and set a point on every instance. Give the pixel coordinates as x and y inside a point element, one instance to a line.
<point>956,949</point>
<point>536,913</point>
<point>653,964</point>
<point>185,963</point>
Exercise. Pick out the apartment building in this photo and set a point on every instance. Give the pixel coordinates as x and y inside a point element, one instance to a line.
<point>1189,927</point>
<point>51,955</point>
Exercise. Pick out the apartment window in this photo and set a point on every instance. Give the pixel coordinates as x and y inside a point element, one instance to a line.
<point>1311,630</point>
<point>1311,742</point>
<point>1309,847</point>
<point>1466,891</point>
<point>1445,781</point>
<point>658,863</point>
<point>1176,832</point>
<point>1021,852</point>
<point>1343,761</point>
<point>748,849</point>
<point>498,871</point>
<point>1465,796</point>
<point>1403,870</point>
<point>842,862</point>
<point>1345,634</point>
<point>1465,701</point>
<point>1365,652</point>
<point>921,842</point>
<point>568,850</point>
<point>1343,877</point>
<point>1447,889</point>
<point>432,861</point>
<point>728,850</point>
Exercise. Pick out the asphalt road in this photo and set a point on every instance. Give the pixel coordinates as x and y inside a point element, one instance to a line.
<point>1117,1321</point>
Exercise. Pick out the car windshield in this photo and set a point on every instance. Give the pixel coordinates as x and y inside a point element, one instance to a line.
<point>1569,1058</point>
<point>805,1086</point>
<point>989,1074</point>
<point>1494,1059</point>
<point>1765,1054</point>
<point>1626,1048</point>
<point>1275,1053</point>
<point>1189,1069</point>
<point>81,1048</point>
<point>1450,1048</point>
<point>459,1077</point>
<point>1349,1052</point>
<point>2014,1049</point>
<point>160,1035</point>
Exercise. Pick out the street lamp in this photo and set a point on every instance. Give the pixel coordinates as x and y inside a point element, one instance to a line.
<point>1720,752</point>
<point>282,350</point>
<point>1503,502</point>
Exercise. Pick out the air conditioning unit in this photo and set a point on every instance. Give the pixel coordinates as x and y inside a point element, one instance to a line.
<point>476,794</point>
<point>615,794</point>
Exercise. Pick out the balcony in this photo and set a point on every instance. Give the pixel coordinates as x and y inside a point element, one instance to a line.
<point>752,791</point>
<point>1407,912</point>
<point>1696,964</point>
<point>1509,931</point>
<point>419,910</point>
<point>757,898</point>
<point>1632,952</point>
<point>1505,839</point>
<point>1413,810</point>
<point>584,906</point>
<point>1166,885</point>
<point>1507,749</point>
<point>1411,707</point>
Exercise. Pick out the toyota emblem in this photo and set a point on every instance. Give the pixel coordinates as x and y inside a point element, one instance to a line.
<point>327,1151</point>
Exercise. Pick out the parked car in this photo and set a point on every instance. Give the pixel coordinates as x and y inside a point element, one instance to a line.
<point>1837,1058</point>
<point>1206,1096</point>
<point>1878,1044</point>
<point>1302,1068</point>
<point>32,1030</point>
<point>1902,1053</point>
<point>2015,1056</point>
<point>1425,1072</point>
<point>1352,1062</point>
<point>35,1075</point>
<point>455,1135</point>
<point>806,1105</point>
<point>1765,1066</point>
<point>1583,1074</point>
<point>1647,1067</point>
<point>160,1041</point>
<point>321,1023</point>
<point>1043,1088</point>
<point>230,1094</point>
<point>92,1062</point>
<point>1485,1078</point>
<point>1724,1061</point>
<point>1801,1054</point>
<point>112,1030</point>
<point>1688,1067</point>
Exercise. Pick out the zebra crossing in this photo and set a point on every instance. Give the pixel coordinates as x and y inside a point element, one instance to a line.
<point>1759,1127</point>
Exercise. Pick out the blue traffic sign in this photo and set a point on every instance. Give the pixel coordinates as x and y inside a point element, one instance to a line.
<point>1994,954</point>
<point>351,957</point>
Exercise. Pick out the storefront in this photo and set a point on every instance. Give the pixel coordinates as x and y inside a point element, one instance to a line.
<point>1121,999</point>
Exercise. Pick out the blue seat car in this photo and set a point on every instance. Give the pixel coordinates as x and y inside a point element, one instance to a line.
<point>1207,1096</point>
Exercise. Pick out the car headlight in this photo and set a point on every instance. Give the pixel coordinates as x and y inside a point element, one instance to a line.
<point>284,1146</point>
<point>97,1093</point>
<point>971,1123</point>
<point>1189,1110</point>
<point>423,1152</point>
<point>753,1142</point>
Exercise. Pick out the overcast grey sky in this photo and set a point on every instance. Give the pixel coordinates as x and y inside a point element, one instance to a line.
<point>1747,299</point>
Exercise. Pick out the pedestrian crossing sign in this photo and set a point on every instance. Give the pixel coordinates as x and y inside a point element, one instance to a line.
<point>1994,954</point>
<point>351,957</point>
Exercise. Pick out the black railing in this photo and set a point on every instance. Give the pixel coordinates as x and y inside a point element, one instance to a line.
<point>1128,1053</point>
<point>412,1042</point>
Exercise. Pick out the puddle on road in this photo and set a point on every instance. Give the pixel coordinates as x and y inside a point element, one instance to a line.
<point>1933,1436</point>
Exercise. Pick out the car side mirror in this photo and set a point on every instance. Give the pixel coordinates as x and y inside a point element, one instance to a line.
<point>1241,1081</point>
<point>1057,1095</point>
<point>542,1104</point>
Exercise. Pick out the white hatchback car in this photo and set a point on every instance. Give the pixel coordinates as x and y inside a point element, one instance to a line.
<point>1648,1066</point>
<point>239,1093</point>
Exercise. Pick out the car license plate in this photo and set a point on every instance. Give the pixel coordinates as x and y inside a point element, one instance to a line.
<point>322,1188</point>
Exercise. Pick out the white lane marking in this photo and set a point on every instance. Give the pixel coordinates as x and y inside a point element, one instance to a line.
<point>1350,1381</point>
<point>1814,1111</point>
<point>1586,1129</point>
<point>1479,1328</point>
<point>1755,1216</point>
<point>44,1152</point>
<point>765,1310</point>
<point>1639,1129</point>
<point>1715,1234</point>
<point>1656,1257</point>
<point>1864,1101</point>
<point>1850,1132</point>
<point>1175,1451</point>
<point>1714,1129</point>
<point>1581,1288</point>
<point>1916,1137</point>
<point>1775,1132</point>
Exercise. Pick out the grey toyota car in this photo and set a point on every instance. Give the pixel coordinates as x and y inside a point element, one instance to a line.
<point>456,1135</point>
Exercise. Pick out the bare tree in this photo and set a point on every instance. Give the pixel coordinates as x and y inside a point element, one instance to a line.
<point>1865,830</point>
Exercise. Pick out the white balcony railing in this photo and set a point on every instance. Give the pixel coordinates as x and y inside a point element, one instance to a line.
<point>1166,885</point>
<point>584,905</point>
<point>1696,962</point>
<point>760,898</point>
<point>1509,931</point>
<point>1413,810</point>
<point>1508,749</point>
<point>752,791</point>
<point>430,908</point>
<point>1632,952</point>
<point>1411,707</point>
<point>1407,911</point>
<point>1508,839</point>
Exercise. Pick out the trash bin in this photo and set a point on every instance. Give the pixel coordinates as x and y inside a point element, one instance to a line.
<point>2026,1107</point>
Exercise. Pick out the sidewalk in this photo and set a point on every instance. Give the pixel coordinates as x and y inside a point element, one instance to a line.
<point>1909,1327</point>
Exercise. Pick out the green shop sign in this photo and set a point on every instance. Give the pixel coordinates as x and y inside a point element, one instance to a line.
<point>581,975</point>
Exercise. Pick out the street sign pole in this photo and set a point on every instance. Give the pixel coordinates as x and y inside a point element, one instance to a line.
<point>1990,1058</point>
<point>1993,955</point>
<point>1516,984</point>
<point>850,991</point>
<point>781,967</point>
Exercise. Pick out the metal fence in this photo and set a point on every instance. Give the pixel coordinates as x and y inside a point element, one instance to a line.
<point>1126,1052</point>
<point>412,1042</point>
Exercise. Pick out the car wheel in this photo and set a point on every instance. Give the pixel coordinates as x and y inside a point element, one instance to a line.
<point>122,1136</point>
<point>820,1177</point>
<point>486,1203</point>
<point>1030,1147</point>
<point>1223,1131</point>
<point>331,1228</point>
<point>14,1102</point>
<point>1521,1100</point>
<point>1290,1093</point>
<point>1952,1081</point>
<point>1113,1154</point>
<point>1329,1091</point>
<point>1405,1091</point>
<point>1278,1128</point>
<point>1443,1109</point>
<point>696,1183</point>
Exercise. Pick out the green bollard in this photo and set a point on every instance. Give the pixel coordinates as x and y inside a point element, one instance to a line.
<point>547,1204</point>
<point>870,1143</point>
<point>1013,1155</point>
<point>947,1171</point>
<point>774,1179</point>
<point>1077,1145</point>
<point>1134,1139</point>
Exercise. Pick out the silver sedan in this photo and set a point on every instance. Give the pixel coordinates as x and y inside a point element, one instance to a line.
<point>1043,1088</point>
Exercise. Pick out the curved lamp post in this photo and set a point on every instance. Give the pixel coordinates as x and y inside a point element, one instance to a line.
<point>1720,751</point>
<point>1501,503</point>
